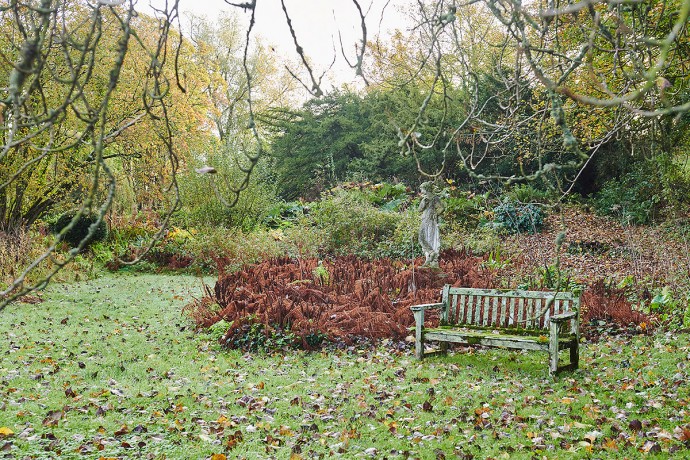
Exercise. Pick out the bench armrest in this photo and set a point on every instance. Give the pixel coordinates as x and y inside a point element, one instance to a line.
<point>563,317</point>
<point>426,306</point>
<point>418,311</point>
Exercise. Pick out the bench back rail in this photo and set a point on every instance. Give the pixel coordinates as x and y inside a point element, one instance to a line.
<point>504,309</point>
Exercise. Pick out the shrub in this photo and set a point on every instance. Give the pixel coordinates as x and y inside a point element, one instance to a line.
<point>284,214</point>
<point>602,301</point>
<point>16,251</point>
<point>465,208</point>
<point>252,335</point>
<point>81,228</point>
<point>653,188</point>
<point>390,197</point>
<point>527,193</point>
<point>214,248</point>
<point>515,217</point>
<point>201,207</point>
<point>352,223</point>
<point>482,240</point>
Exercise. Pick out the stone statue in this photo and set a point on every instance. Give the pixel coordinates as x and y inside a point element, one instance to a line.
<point>429,236</point>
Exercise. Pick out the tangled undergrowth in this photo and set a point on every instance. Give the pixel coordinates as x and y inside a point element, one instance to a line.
<point>340,299</point>
<point>303,302</point>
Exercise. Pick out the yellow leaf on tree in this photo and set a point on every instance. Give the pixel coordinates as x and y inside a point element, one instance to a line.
<point>4,432</point>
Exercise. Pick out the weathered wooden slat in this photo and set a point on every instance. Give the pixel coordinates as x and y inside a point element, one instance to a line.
<point>495,306</point>
<point>454,306</point>
<point>460,305</point>
<point>525,313</point>
<point>485,313</point>
<point>536,310</point>
<point>467,310</point>
<point>516,342</point>
<point>552,311</point>
<point>477,310</point>
<point>444,300</point>
<point>540,309</point>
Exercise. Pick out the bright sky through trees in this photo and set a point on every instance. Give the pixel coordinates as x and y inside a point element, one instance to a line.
<point>318,24</point>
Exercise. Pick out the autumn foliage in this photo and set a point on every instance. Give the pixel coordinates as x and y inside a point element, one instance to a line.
<point>347,298</point>
<point>344,298</point>
<point>603,302</point>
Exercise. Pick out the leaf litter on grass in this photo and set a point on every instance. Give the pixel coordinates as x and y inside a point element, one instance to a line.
<point>125,377</point>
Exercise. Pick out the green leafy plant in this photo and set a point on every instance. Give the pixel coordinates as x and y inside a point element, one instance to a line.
<point>527,193</point>
<point>496,260</point>
<point>80,229</point>
<point>253,335</point>
<point>284,214</point>
<point>322,275</point>
<point>349,220</point>
<point>663,301</point>
<point>217,330</point>
<point>515,217</point>
<point>464,208</point>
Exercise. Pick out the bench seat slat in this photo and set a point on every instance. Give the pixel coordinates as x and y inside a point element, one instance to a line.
<point>522,342</point>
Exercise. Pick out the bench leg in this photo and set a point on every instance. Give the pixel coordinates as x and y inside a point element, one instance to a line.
<point>419,334</point>
<point>553,348</point>
<point>443,347</point>
<point>575,355</point>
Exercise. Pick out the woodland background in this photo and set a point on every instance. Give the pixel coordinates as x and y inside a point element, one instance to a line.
<point>531,121</point>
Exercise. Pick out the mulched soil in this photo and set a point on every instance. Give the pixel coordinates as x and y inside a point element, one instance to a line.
<point>600,248</point>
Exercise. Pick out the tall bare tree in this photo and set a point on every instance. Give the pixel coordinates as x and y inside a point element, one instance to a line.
<point>65,61</point>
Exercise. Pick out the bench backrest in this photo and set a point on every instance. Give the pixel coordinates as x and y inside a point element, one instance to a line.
<point>505,308</point>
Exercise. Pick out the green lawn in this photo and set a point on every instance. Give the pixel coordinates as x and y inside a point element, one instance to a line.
<point>109,368</point>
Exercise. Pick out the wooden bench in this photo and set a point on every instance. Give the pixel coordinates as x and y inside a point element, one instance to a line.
<point>523,320</point>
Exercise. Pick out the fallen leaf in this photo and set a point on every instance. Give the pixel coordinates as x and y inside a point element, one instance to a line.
<point>682,433</point>
<point>5,432</point>
<point>635,425</point>
<point>53,418</point>
<point>234,439</point>
<point>592,436</point>
<point>650,447</point>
